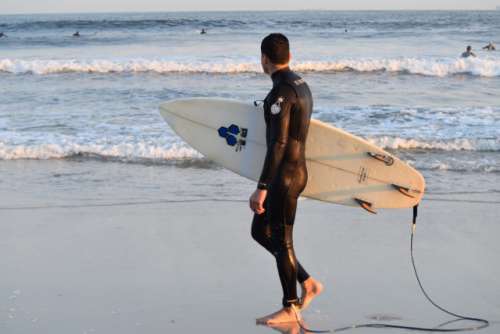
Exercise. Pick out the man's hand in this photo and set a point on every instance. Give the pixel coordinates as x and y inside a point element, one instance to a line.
<point>257,201</point>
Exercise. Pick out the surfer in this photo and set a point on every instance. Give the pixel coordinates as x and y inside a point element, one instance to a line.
<point>2,35</point>
<point>489,47</point>
<point>76,34</point>
<point>468,52</point>
<point>203,31</point>
<point>287,112</point>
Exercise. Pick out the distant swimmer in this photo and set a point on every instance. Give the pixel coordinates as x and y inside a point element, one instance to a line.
<point>2,35</point>
<point>468,52</point>
<point>489,47</point>
<point>203,31</point>
<point>76,34</point>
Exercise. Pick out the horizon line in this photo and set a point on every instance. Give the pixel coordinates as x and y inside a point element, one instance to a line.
<point>247,10</point>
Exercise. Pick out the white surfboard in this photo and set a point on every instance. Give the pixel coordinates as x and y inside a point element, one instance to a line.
<point>342,168</point>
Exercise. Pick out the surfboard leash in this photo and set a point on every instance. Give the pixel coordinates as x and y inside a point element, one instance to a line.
<point>482,323</point>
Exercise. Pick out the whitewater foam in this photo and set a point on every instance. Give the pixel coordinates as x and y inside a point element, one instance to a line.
<point>139,151</point>
<point>129,152</point>
<point>459,144</point>
<point>486,67</point>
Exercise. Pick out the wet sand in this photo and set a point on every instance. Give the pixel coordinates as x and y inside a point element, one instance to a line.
<point>132,266</point>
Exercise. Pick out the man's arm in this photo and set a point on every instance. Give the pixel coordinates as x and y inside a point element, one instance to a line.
<point>279,124</point>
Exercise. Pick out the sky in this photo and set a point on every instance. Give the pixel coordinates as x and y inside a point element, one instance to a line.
<point>57,6</point>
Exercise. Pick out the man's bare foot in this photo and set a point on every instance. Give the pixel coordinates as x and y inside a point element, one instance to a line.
<point>287,328</point>
<point>286,314</point>
<point>310,289</point>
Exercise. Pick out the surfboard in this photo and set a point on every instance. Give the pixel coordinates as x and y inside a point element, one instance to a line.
<point>342,168</point>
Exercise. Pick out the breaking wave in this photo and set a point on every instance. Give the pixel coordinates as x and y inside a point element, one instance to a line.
<point>129,152</point>
<point>460,144</point>
<point>139,151</point>
<point>485,67</point>
<point>446,157</point>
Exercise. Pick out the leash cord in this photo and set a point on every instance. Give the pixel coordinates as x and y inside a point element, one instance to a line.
<point>482,323</point>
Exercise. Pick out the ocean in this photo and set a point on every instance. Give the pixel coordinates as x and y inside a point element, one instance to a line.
<point>110,223</point>
<point>88,104</point>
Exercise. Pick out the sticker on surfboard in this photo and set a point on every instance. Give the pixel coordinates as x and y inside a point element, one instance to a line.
<point>234,135</point>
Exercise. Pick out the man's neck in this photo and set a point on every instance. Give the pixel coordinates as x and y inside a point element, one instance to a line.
<point>276,68</point>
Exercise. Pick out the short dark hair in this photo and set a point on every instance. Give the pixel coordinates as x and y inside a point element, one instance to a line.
<point>276,48</point>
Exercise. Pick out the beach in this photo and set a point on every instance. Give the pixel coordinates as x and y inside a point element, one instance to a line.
<point>119,260</point>
<point>111,223</point>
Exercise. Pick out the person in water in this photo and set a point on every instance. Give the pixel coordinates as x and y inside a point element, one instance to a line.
<point>203,31</point>
<point>468,52</point>
<point>287,113</point>
<point>2,35</point>
<point>489,47</point>
<point>76,34</point>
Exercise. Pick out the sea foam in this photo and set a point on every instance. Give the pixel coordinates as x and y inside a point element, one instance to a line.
<point>487,67</point>
<point>128,152</point>
<point>459,144</point>
<point>139,151</point>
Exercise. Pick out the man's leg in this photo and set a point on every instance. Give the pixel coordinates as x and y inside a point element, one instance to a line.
<point>286,263</point>
<point>281,213</point>
<point>310,286</point>
<point>261,232</point>
<point>281,223</point>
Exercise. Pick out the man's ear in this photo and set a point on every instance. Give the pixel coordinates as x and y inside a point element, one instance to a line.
<point>265,59</point>
<point>289,57</point>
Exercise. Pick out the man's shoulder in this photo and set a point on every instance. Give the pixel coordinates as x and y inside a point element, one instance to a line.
<point>293,79</point>
<point>285,91</point>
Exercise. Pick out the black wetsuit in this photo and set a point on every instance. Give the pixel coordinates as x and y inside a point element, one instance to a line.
<point>287,112</point>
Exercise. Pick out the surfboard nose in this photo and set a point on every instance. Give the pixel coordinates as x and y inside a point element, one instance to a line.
<point>185,107</point>
<point>172,106</point>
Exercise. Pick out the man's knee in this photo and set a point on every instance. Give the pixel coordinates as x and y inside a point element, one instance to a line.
<point>284,246</point>
<point>282,242</point>
<point>260,231</point>
<point>256,233</point>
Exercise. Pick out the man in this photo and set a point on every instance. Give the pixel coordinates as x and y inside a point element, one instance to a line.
<point>468,52</point>
<point>489,47</point>
<point>287,112</point>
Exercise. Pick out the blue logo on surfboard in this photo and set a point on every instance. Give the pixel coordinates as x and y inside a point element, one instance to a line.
<point>234,135</point>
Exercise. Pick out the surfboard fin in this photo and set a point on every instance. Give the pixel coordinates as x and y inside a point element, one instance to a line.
<point>405,191</point>
<point>386,159</point>
<point>366,205</point>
